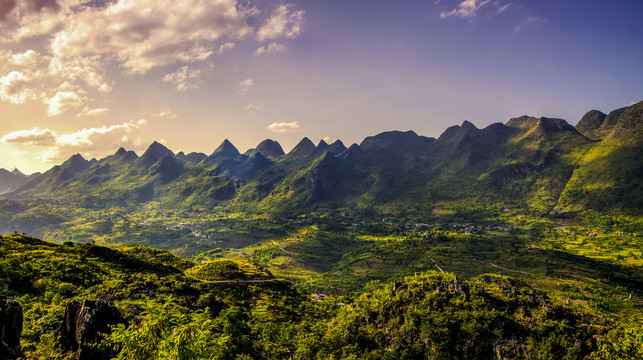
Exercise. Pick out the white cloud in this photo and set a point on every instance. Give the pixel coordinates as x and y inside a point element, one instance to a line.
<point>466,9</point>
<point>62,102</point>
<point>282,22</point>
<point>271,48</point>
<point>81,71</point>
<point>61,85</point>
<point>35,136</point>
<point>284,127</point>
<point>226,47</point>
<point>13,88</point>
<point>90,136</point>
<point>28,58</point>
<point>245,86</point>
<point>185,31</point>
<point>76,46</point>
<point>97,141</point>
<point>168,114</point>
<point>185,78</point>
<point>93,112</point>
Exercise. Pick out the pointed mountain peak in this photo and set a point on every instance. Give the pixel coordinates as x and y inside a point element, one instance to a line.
<point>121,151</point>
<point>354,152</point>
<point>73,165</point>
<point>337,147</point>
<point>75,159</point>
<point>226,148</point>
<point>322,146</point>
<point>304,147</point>
<point>17,172</point>
<point>305,142</point>
<point>468,125</point>
<point>270,148</point>
<point>154,152</point>
<point>157,148</point>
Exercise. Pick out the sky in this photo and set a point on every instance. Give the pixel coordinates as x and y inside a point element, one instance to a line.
<point>88,77</point>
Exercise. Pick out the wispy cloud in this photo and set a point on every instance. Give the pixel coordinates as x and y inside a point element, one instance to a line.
<point>226,47</point>
<point>185,78</point>
<point>255,106</point>
<point>168,114</point>
<point>245,86</point>
<point>271,48</point>
<point>503,8</point>
<point>93,112</point>
<point>96,141</point>
<point>529,21</point>
<point>35,136</point>
<point>469,9</point>
<point>466,9</point>
<point>284,22</point>
<point>284,127</point>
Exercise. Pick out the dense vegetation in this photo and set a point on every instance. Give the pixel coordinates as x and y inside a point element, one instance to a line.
<point>520,240</point>
<point>169,314</point>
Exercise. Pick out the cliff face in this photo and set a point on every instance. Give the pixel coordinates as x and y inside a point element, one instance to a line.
<point>83,325</point>
<point>10,329</point>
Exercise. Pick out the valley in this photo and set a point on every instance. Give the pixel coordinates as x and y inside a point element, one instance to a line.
<point>535,221</point>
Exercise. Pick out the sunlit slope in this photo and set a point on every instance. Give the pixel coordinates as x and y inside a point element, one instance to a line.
<point>529,165</point>
<point>609,175</point>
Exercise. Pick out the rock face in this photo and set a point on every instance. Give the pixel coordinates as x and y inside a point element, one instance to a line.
<point>10,329</point>
<point>84,322</point>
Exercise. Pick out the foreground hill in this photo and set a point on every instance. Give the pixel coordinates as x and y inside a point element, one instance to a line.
<point>86,301</point>
<point>529,165</point>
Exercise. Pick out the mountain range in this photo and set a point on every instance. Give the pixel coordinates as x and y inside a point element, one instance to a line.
<point>527,165</point>
<point>11,180</point>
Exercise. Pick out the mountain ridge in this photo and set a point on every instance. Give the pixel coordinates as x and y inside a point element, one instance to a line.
<point>537,163</point>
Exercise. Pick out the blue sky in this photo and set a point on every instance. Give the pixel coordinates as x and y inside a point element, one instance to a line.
<point>86,78</point>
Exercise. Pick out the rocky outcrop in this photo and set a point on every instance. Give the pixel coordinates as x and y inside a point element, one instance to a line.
<point>84,323</point>
<point>10,329</point>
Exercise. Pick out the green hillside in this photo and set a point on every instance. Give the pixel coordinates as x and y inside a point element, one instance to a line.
<point>329,252</point>
<point>609,175</point>
<point>525,165</point>
<point>154,305</point>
